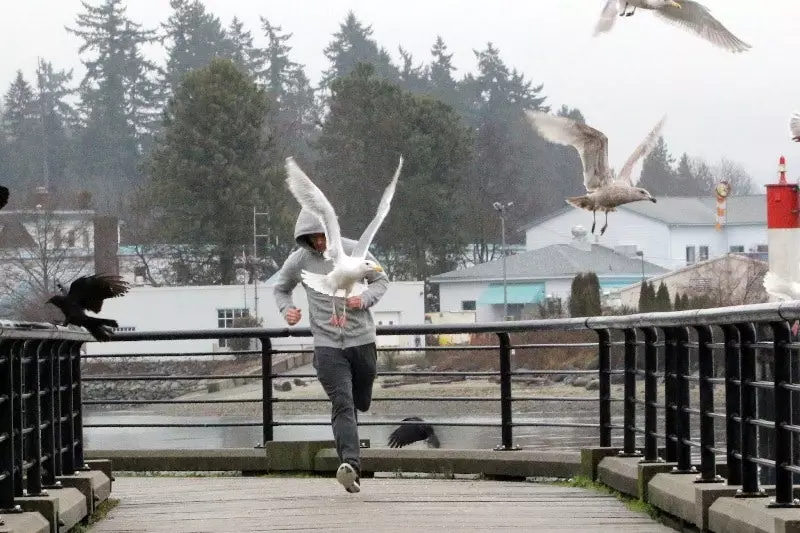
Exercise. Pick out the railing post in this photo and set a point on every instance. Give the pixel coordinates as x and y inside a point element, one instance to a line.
<point>33,418</point>
<point>705,359</point>
<point>49,358</point>
<point>67,384</point>
<point>266,391</point>
<point>7,451</point>
<point>670,395</point>
<point>783,416</point>
<point>650,396</point>
<point>749,405</point>
<point>733,408</point>
<point>604,365</point>
<point>18,371</point>
<point>682,422</point>
<point>76,390</point>
<point>506,422</point>
<point>629,443</point>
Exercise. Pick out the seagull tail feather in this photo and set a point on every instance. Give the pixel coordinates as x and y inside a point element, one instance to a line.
<point>581,202</point>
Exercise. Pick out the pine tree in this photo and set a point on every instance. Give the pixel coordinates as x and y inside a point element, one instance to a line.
<point>662,298</point>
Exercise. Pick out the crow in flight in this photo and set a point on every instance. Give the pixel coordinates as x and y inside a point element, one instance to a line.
<point>88,293</point>
<point>407,433</point>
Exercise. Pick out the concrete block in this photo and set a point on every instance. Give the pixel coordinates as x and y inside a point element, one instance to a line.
<point>23,523</point>
<point>705,494</point>
<point>751,515</point>
<point>62,508</point>
<point>647,471</point>
<point>194,460</point>
<point>93,484</point>
<point>591,457</point>
<point>492,463</point>
<point>620,473</point>
<point>298,456</point>
<point>673,493</point>
<point>104,465</point>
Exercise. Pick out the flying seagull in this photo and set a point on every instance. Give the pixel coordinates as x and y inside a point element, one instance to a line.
<point>794,126</point>
<point>605,191</point>
<point>687,14</point>
<point>88,293</point>
<point>406,434</point>
<point>348,270</point>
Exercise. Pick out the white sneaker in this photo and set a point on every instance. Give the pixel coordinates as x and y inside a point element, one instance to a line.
<point>347,477</point>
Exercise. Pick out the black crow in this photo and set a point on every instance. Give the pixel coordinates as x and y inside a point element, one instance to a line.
<point>88,293</point>
<point>4,193</point>
<point>408,433</point>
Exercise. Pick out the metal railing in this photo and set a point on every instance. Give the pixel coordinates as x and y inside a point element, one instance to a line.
<point>670,354</point>
<point>41,433</point>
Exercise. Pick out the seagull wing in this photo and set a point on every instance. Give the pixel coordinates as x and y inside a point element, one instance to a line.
<point>780,288</point>
<point>360,249</point>
<point>312,199</point>
<point>794,125</point>
<point>591,144</point>
<point>647,145</point>
<point>696,18</point>
<point>607,17</point>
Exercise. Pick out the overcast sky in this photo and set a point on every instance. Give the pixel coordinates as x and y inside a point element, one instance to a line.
<point>718,104</point>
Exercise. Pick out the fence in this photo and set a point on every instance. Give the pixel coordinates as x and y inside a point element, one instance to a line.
<point>40,399</point>
<point>41,433</point>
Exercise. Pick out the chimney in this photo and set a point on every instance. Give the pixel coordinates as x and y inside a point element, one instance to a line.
<point>782,226</point>
<point>106,244</point>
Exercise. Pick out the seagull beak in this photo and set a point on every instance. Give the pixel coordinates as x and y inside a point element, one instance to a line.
<point>378,268</point>
<point>675,4</point>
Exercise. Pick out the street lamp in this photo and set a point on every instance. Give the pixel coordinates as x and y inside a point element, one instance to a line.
<point>641,254</point>
<point>501,208</point>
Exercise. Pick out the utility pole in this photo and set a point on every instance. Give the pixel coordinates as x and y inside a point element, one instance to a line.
<point>501,208</point>
<point>255,257</point>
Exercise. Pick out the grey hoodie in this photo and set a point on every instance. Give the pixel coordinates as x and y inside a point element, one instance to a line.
<point>359,328</point>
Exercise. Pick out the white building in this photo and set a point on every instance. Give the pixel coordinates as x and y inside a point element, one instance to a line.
<point>536,276</point>
<point>209,307</point>
<point>672,233</point>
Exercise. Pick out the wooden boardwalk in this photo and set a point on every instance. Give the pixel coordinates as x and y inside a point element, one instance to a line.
<point>244,505</point>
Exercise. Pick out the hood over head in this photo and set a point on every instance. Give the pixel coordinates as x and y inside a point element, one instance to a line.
<point>307,224</point>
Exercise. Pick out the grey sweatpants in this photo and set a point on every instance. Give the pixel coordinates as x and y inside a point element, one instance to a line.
<point>347,376</point>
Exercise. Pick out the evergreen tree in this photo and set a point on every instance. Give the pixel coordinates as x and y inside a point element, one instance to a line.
<point>194,38</point>
<point>351,45</point>
<point>210,167</point>
<point>117,95</point>
<point>243,53</point>
<point>663,302</point>
<point>21,130</point>
<point>370,124</point>
<point>658,174</point>
<point>576,295</point>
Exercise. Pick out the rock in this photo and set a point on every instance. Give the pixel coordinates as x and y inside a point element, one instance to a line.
<point>594,384</point>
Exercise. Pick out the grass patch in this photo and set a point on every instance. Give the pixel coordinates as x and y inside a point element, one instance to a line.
<point>634,504</point>
<point>100,513</point>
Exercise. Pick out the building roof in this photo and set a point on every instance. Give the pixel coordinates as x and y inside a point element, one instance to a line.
<point>556,260</point>
<point>689,211</point>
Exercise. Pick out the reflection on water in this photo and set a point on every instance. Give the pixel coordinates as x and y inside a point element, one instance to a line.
<point>463,437</point>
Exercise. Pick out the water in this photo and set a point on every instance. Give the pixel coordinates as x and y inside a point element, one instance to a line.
<point>460,437</point>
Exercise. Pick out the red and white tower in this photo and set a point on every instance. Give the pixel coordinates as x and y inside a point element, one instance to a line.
<point>783,221</point>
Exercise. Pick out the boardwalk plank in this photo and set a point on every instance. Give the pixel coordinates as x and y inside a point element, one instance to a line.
<point>250,505</point>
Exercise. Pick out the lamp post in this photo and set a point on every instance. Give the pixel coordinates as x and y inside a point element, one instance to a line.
<point>501,209</point>
<point>641,254</point>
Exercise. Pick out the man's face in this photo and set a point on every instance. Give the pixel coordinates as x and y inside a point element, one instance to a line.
<point>318,242</point>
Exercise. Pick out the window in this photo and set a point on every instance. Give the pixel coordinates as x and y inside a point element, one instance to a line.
<point>125,328</point>
<point>703,253</point>
<point>763,248</point>
<point>736,249</point>
<point>139,271</point>
<point>225,318</point>
<point>468,305</point>
<point>71,238</point>
<point>690,255</point>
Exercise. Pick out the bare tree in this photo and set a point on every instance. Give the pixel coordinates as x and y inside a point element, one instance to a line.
<point>43,247</point>
<point>731,280</point>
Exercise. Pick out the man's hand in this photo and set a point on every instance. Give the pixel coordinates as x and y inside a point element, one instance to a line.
<point>293,316</point>
<point>354,302</point>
